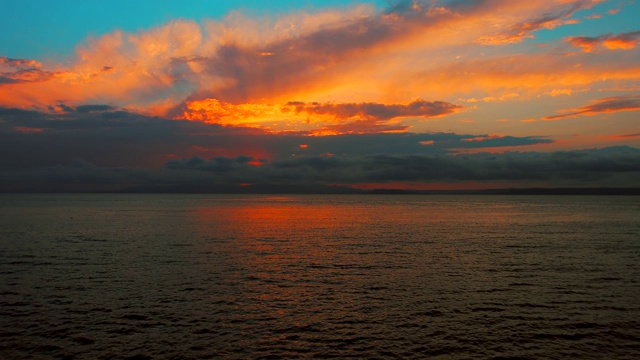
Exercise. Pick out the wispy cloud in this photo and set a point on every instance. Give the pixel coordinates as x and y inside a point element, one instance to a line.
<point>557,16</point>
<point>637,135</point>
<point>606,105</point>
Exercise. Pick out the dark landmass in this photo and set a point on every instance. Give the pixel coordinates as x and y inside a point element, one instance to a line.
<point>517,191</point>
<point>572,191</point>
<point>295,189</point>
<point>242,189</point>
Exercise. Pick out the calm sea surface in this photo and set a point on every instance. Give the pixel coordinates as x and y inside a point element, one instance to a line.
<point>249,277</point>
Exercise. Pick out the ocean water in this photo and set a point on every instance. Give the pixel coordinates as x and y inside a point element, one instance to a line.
<point>280,277</point>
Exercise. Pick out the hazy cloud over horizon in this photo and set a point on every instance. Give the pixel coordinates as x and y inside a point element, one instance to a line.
<point>98,144</point>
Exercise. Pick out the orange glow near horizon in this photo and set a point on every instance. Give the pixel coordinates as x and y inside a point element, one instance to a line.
<point>28,130</point>
<point>275,216</point>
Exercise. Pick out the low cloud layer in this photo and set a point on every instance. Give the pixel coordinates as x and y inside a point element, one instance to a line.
<point>613,167</point>
<point>108,136</point>
<point>578,166</point>
<point>109,148</point>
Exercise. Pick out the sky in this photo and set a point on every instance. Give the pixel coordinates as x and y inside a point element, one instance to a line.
<point>227,95</point>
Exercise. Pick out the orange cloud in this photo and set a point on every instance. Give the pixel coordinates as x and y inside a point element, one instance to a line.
<point>15,71</point>
<point>21,64</point>
<point>353,69</point>
<point>359,127</point>
<point>483,138</point>
<point>502,97</point>
<point>624,41</point>
<point>318,118</point>
<point>558,92</point>
<point>218,112</point>
<point>526,75</point>
<point>118,68</point>
<point>25,76</point>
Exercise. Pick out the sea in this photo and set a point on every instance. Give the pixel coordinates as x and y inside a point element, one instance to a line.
<point>147,276</point>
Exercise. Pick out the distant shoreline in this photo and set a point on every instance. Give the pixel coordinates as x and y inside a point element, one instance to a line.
<point>518,191</point>
<point>327,190</point>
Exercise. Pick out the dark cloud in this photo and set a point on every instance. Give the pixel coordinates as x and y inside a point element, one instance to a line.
<point>94,108</point>
<point>108,147</point>
<point>22,71</point>
<point>219,164</point>
<point>363,111</point>
<point>64,108</point>
<point>362,118</point>
<point>629,135</point>
<point>579,167</point>
<point>25,76</point>
<point>110,137</point>
<point>21,64</point>
<point>605,105</point>
<point>15,115</point>
<point>616,166</point>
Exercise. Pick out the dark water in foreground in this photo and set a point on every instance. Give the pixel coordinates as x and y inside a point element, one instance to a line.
<point>247,277</point>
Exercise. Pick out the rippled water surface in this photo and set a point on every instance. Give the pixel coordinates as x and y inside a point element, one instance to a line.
<point>248,277</point>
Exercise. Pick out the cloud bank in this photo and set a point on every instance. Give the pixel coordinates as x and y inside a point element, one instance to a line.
<point>107,148</point>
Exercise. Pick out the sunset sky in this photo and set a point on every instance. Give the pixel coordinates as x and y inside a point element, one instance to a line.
<point>431,94</point>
